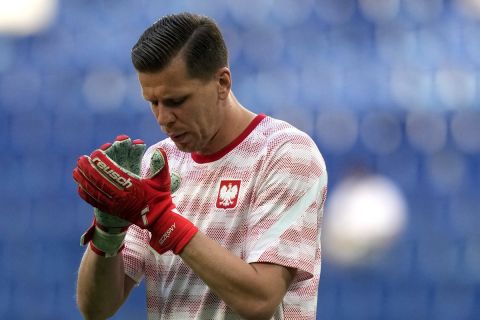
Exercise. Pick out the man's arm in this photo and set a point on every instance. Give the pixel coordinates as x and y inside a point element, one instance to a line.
<point>102,285</point>
<point>254,290</point>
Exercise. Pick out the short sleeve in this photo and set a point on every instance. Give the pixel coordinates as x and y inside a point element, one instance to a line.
<point>135,252</point>
<point>284,226</point>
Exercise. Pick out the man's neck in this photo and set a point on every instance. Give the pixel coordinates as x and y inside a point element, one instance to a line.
<point>236,120</point>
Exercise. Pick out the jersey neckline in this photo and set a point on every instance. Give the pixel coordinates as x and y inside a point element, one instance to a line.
<point>200,158</point>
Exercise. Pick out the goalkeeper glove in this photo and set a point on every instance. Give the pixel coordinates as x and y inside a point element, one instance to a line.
<point>145,202</point>
<point>107,233</point>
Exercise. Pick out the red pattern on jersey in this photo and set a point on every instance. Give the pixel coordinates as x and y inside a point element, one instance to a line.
<point>277,219</point>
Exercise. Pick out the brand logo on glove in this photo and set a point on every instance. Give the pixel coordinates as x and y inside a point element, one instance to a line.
<point>111,174</point>
<point>166,234</point>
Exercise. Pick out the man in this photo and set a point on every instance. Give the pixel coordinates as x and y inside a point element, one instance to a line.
<point>241,237</point>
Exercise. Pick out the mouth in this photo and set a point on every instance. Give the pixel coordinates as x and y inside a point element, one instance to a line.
<point>177,137</point>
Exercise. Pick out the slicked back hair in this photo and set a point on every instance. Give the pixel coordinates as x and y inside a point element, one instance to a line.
<point>196,38</point>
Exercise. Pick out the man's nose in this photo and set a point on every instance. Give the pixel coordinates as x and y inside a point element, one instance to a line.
<point>165,116</point>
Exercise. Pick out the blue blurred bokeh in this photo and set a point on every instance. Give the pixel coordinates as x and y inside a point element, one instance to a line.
<point>389,85</point>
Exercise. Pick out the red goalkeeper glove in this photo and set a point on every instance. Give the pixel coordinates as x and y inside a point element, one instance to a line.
<point>107,233</point>
<point>144,202</point>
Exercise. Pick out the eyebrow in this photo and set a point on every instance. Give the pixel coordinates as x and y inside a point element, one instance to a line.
<point>168,100</point>
<point>173,100</point>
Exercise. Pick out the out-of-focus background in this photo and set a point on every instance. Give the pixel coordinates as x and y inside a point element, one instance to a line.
<point>388,89</point>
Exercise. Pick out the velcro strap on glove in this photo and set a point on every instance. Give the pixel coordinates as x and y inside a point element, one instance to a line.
<point>102,242</point>
<point>172,232</point>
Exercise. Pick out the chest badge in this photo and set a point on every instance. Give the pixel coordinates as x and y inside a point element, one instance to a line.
<point>228,194</point>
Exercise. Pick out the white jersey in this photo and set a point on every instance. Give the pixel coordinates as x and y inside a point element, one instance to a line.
<point>262,198</point>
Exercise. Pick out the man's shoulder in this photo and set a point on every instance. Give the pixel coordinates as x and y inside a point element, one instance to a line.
<point>283,142</point>
<point>277,133</point>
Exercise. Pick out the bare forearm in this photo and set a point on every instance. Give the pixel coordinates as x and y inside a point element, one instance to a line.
<point>100,286</point>
<point>252,290</point>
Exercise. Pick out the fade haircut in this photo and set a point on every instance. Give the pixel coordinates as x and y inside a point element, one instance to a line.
<point>197,38</point>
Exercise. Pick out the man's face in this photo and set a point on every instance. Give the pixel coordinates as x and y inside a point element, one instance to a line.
<point>190,111</point>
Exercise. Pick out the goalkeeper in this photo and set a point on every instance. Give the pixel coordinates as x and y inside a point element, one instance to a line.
<point>223,218</point>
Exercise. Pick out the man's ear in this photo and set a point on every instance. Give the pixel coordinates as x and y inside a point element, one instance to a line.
<point>224,82</point>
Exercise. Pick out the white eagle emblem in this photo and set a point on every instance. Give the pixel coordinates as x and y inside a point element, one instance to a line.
<point>228,194</point>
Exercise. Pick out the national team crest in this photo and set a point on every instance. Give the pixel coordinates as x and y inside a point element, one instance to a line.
<point>228,194</point>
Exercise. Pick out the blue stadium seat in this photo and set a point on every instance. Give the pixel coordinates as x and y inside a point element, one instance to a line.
<point>464,212</point>
<point>408,300</point>
<point>68,186</point>
<point>62,258</point>
<point>68,83</point>
<point>426,132</point>
<point>82,213</point>
<point>217,9</point>
<point>280,94</point>
<point>46,46</point>
<point>22,258</point>
<point>7,52</point>
<point>397,263</point>
<point>11,166</point>
<point>328,299</point>
<point>31,131</point>
<point>361,298</point>
<point>65,304</point>
<point>356,161</point>
<point>428,212</point>
<point>5,295</point>
<point>336,130</point>
<point>453,300</point>
<point>22,75</point>
<point>471,260</point>
<point>438,257</point>
<point>447,171</point>
<point>109,125</point>
<point>402,166</point>
<point>4,129</point>
<point>246,89</point>
<point>54,219</point>
<point>33,301</point>
<point>74,132</point>
<point>304,121</point>
<point>381,132</point>
<point>41,174</point>
<point>366,84</point>
<point>335,12</point>
<point>16,211</point>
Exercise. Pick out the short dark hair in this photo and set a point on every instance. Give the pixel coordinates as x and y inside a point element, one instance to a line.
<point>196,37</point>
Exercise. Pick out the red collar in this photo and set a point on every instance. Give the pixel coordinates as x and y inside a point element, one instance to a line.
<point>200,158</point>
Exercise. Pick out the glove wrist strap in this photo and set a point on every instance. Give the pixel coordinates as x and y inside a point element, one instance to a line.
<point>110,244</point>
<point>171,232</point>
<point>102,242</point>
<point>103,253</point>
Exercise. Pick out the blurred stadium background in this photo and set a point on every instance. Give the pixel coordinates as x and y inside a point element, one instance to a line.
<point>388,89</point>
